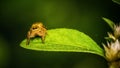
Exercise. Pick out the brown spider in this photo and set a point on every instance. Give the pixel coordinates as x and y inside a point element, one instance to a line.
<point>37,29</point>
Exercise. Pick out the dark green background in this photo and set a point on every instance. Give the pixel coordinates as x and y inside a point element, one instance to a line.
<point>16,17</point>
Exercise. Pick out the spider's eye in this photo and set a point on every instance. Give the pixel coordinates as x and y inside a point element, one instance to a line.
<point>34,28</point>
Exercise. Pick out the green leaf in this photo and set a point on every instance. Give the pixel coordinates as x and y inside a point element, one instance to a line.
<point>109,22</point>
<point>66,40</point>
<point>116,1</point>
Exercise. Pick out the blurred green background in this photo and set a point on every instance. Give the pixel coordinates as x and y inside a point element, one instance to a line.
<point>16,17</point>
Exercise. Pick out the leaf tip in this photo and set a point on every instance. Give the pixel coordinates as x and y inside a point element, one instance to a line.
<point>116,1</point>
<point>109,22</point>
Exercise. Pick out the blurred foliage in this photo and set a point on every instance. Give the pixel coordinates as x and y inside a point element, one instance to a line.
<point>4,53</point>
<point>16,16</point>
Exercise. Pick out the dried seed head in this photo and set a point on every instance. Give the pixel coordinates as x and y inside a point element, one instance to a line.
<point>117,31</point>
<point>112,51</point>
<point>111,36</point>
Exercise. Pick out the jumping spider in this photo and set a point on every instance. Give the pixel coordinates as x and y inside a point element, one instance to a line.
<point>37,29</point>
